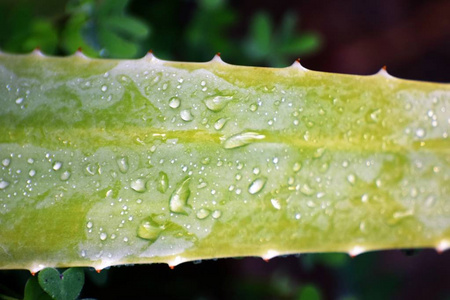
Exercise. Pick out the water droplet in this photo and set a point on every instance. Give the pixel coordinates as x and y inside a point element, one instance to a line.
<point>306,190</point>
<point>57,165</point>
<point>351,178</point>
<point>186,115</point>
<point>420,133</point>
<point>242,139</point>
<point>3,184</point>
<point>139,185</point>
<point>89,225</point>
<point>103,236</point>
<point>319,152</point>
<point>373,116</point>
<point>65,176</point>
<point>220,123</point>
<point>202,213</point>
<point>6,162</point>
<point>162,182</point>
<point>104,88</point>
<point>276,203</point>
<point>217,103</point>
<point>256,171</point>
<point>122,163</point>
<point>257,185</point>
<point>253,107</point>
<point>32,173</point>
<point>178,199</point>
<point>297,167</point>
<point>149,229</point>
<point>19,100</point>
<point>174,102</point>
<point>216,214</point>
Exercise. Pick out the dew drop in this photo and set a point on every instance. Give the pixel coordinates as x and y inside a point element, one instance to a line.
<point>103,236</point>
<point>6,162</point>
<point>202,213</point>
<point>104,88</point>
<point>351,178</point>
<point>217,103</point>
<point>256,170</point>
<point>276,203</point>
<point>186,115</point>
<point>178,199</point>
<point>3,184</point>
<point>216,214</point>
<point>149,229</point>
<point>57,165</point>
<point>319,152</point>
<point>220,123</point>
<point>242,139</point>
<point>138,185</point>
<point>296,167</point>
<point>174,102</point>
<point>162,182</point>
<point>257,185</point>
<point>65,176</point>
<point>122,163</point>
<point>89,225</point>
<point>306,190</point>
<point>420,133</point>
<point>32,173</point>
<point>19,100</point>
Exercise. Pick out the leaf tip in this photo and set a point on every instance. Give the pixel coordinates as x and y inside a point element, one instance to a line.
<point>383,72</point>
<point>298,65</point>
<point>269,255</point>
<point>35,269</point>
<point>37,51</point>
<point>356,250</point>
<point>442,246</point>
<point>79,53</point>
<point>175,262</point>
<point>217,58</point>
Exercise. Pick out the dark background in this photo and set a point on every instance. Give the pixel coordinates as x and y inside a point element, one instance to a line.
<point>412,38</point>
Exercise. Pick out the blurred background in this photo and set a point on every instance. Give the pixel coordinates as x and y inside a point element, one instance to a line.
<point>411,37</point>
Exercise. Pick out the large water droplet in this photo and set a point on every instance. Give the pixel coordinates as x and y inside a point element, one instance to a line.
<point>162,182</point>
<point>57,165</point>
<point>202,213</point>
<point>122,163</point>
<point>178,199</point>
<point>3,184</point>
<point>149,229</point>
<point>242,139</point>
<point>139,185</point>
<point>257,185</point>
<point>220,123</point>
<point>65,176</point>
<point>174,102</point>
<point>186,115</point>
<point>103,236</point>
<point>217,103</point>
<point>6,162</point>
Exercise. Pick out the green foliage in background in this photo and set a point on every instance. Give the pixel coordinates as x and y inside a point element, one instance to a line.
<point>128,29</point>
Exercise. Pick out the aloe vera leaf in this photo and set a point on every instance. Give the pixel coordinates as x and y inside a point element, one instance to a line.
<point>107,162</point>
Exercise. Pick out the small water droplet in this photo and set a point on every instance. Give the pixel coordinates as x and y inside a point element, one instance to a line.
<point>57,165</point>
<point>150,229</point>
<point>202,213</point>
<point>139,185</point>
<point>174,102</point>
<point>420,133</point>
<point>256,171</point>
<point>242,139</point>
<point>103,236</point>
<point>3,184</point>
<point>296,167</point>
<point>162,182</point>
<point>220,123</point>
<point>276,203</point>
<point>104,88</point>
<point>6,162</point>
<point>89,225</point>
<point>217,103</point>
<point>253,107</point>
<point>351,178</point>
<point>122,163</point>
<point>19,100</point>
<point>186,115</point>
<point>32,173</point>
<point>319,152</point>
<point>65,176</point>
<point>178,199</point>
<point>306,190</point>
<point>257,185</point>
<point>216,214</point>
